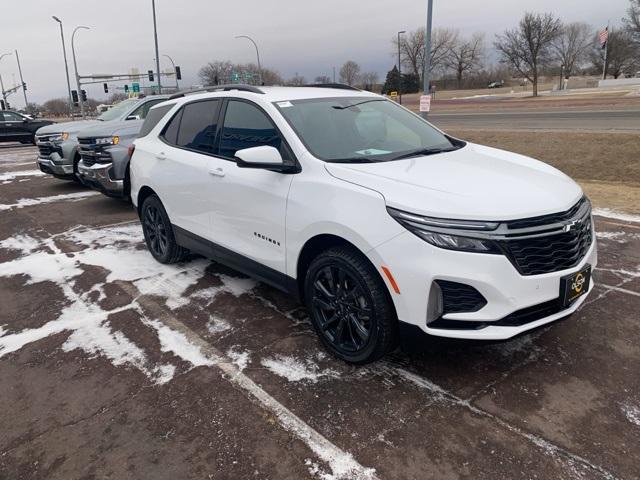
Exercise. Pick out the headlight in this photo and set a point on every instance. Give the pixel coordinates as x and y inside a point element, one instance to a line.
<point>56,137</point>
<point>65,135</point>
<point>464,235</point>
<point>115,140</point>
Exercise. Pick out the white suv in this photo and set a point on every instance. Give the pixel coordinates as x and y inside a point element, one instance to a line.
<point>373,217</point>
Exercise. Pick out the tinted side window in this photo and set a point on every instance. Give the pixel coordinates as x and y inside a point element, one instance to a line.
<point>198,126</point>
<point>153,118</point>
<point>171,130</point>
<point>246,126</point>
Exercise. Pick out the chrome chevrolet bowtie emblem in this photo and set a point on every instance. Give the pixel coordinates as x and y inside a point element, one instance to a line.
<point>568,226</point>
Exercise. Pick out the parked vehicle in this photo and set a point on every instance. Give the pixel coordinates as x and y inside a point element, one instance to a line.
<point>374,218</point>
<point>104,155</point>
<point>58,153</point>
<point>16,127</point>
<point>495,85</point>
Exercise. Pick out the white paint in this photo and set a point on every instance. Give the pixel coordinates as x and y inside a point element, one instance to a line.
<point>22,173</point>
<point>177,343</point>
<point>608,213</point>
<point>632,413</point>
<point>621,290</point>
<point>295,370</point>
<point>66,197</point>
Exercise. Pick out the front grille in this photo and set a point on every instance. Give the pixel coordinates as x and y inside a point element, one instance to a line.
<point>45,150</point>
<point>92,153</point>
<point>458,297</point>
<point>550,253</point>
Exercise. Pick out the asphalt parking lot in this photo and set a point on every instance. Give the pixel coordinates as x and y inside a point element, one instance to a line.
<point>115,366</point>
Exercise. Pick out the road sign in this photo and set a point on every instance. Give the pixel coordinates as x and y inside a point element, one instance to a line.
<point>135,87</point>
<point>425,103</point>
<point>393,94</point>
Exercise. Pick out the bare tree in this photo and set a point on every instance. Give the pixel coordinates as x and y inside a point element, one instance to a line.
<point>216,72</point>
<point>116,97</point>
<point>297,81</point>
<point>572,45</point>
<point>412,49</point>
<point>622,54</point>
<point>465,55</point>
<point>56,106</point>
<point>632,21</point>
<point>322,79</point>
<point>220,72</point>
<point>528,47</point>
<point>369,80</point>
<point>350,73</point>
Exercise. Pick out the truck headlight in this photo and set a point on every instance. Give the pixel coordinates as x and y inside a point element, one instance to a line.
<point>57,137</point>
<point>463,235</point>
<point>115,140</point>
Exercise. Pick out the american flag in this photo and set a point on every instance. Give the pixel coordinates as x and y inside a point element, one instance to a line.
<point>603,35</point>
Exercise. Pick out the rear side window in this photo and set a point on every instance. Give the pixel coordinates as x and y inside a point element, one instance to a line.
<point>143,110</point>
<point>197,130</point>
<point>171,130</point>
<point>246,126</point>
<point>153,117</point>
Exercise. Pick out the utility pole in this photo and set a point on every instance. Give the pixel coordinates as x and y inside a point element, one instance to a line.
<point>427,56</point>
<point>75,66</point>
<point>4,95</point>
<point>66,65</point>
<point>24,90</point>
<point>174,70</point>
<point>400,69</point>
<point>606,52</point>
<point>334,74</point>
<point>155,37</point>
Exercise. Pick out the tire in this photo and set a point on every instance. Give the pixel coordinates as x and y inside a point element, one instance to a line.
<point>158,233</point>
<point>358,300</point>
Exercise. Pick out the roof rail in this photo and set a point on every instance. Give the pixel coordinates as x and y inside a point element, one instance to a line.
<point>339,86</point>
<point>219,88</point>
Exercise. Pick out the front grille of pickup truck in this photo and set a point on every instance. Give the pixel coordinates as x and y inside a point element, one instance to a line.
<point>92,153</point>
<point>555,251</point>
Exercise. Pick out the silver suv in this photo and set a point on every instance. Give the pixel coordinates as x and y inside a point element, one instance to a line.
<point>58,153</point>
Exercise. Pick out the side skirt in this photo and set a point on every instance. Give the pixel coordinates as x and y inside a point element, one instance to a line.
<point>236,261</point>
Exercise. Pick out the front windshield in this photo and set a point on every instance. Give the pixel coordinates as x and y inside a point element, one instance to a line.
<point>118,110</point>
<point>360,129</point>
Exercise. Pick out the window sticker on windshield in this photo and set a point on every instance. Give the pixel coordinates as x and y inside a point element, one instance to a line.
<point>285,104</point>
<point>372,151</point>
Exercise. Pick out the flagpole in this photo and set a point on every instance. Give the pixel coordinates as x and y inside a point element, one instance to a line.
<point>606,51</point>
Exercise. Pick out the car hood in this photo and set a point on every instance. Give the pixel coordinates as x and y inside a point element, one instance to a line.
<point>70,127</point>
<point>474,182</point>
<point>105,129</point>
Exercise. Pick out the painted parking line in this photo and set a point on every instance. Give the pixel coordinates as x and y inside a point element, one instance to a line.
<point>66,197</point>
<point>621,290</point>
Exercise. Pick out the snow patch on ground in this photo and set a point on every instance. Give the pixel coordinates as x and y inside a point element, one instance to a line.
<point>66,197</point>
<point>9,176</point>
<point>239,358</point>
<point>608,213</point>
<point>177,343</point>
<point>217,325</point>
<point>24,243</point>
<point>632,412</point>
<point>296,370</point>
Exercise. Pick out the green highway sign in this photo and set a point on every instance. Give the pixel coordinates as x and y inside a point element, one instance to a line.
<point>135,87</point>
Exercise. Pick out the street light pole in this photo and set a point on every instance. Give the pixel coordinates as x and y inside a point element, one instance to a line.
<point>66,65</point>
<point>400,69</point>
<point>257,55</point>
<point>4,95</point>
<point>155,38</point>
<point>24,90</point>
<point>427,55</point>
<point>75,66</point>
<point>174,69</point>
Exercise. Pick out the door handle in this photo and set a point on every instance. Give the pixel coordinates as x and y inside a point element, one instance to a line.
<point>217,172</point>
<point>161,156</point>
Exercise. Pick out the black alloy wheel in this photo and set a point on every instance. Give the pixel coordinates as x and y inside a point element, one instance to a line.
<point>156,231</point>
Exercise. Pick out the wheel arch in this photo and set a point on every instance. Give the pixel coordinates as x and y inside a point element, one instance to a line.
<point>144,193</point>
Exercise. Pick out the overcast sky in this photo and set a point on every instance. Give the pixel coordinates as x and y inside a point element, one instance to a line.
<point>294,36</point>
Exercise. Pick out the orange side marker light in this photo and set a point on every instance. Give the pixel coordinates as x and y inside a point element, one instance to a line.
<point>392,280</point>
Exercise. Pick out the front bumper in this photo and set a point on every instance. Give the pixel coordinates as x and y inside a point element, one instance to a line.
<point>54,166</point>
<point>98,177</point>
<point>415,265</point>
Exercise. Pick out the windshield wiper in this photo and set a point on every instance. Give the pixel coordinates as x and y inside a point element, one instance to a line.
<point>344,107</point>
<point>352,160</point>
<point>425,151</point>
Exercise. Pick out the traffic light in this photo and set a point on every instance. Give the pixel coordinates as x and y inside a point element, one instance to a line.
<point>106,88</point>
<point>150,72</point>
<point>24,86</point>
<point>178,74</point>
<point>74,96</point>
<point>2,105</point>
<point>83,94</point>
<point>126,89</point>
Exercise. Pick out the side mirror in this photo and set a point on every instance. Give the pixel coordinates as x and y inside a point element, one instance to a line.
<point>133,117</point>
<point>264,157</point>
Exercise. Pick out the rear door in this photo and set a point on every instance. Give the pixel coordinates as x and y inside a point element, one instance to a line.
<point>183,163</point>
<point>16,127</point>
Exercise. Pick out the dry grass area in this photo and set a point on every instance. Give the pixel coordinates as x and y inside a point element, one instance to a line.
<point>607,165</point>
